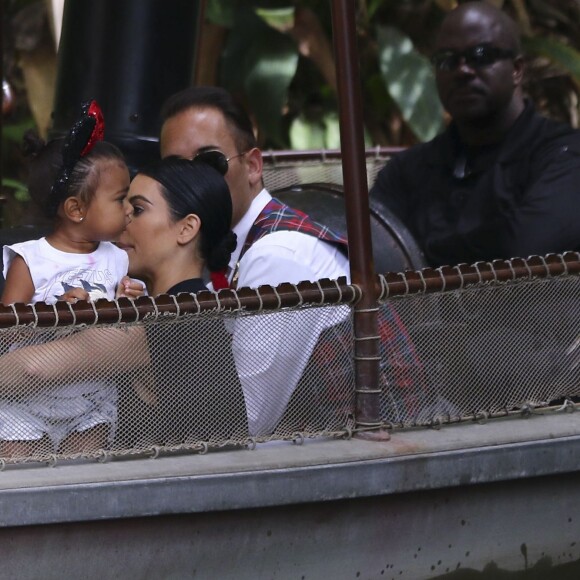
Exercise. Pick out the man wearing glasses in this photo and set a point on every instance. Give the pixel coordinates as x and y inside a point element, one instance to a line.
<point>501,181</point>
<point>271,354</point>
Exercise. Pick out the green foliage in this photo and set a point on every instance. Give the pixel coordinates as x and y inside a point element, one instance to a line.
<point>278,18</point>
<point>410,81</point>
<point>318,133</point>
<point>20,190</point>
<point>14,132</point>
<point>221,12</point>
<point>561,55</point>
<point>260,62</point>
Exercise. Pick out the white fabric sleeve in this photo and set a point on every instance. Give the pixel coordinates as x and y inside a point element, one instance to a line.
<point>8,254</point>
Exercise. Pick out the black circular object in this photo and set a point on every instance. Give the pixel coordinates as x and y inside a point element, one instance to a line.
<point>394,248</point>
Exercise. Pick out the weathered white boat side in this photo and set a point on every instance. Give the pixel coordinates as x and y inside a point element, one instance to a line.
<point>428,502</point>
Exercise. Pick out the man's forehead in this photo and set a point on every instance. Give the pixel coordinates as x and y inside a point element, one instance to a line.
<point>196,129</point>
<point>468,32</point>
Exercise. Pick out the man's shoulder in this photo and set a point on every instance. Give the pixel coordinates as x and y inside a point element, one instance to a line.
<point>279,217</point>
<point>414,164</point>
<point>286,238</point>
<point>552,133</point>
<point>290,256</point>
<point>427,148</point>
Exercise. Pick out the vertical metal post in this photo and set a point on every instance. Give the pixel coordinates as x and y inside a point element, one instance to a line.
<point>1,80</point>
<point>130,56</point>
<point>198,55</point>
<point>367,354</point>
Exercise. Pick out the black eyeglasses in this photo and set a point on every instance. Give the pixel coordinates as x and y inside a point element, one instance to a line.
<point>475,57</point>
<point>216,159</point>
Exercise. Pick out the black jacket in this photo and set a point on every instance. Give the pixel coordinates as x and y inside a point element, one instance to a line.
<point>514,199</point>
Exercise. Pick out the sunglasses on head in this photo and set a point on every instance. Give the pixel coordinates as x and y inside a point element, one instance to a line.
<point>475,57</point>
<point>216,159</point>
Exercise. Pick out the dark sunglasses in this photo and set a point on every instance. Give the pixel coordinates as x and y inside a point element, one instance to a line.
<point>475,57</point>
<point>216,159</point>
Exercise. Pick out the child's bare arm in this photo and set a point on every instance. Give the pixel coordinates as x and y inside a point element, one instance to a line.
<point>19,286</point>
<point>97,352</point>
<point>74,295</point>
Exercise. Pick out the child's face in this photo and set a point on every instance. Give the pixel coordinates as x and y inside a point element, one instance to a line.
<point>108,212</point>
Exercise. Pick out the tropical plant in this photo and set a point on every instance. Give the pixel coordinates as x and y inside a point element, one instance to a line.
<point>277,56</point>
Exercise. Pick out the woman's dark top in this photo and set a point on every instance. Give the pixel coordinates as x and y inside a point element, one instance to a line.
<point>191,285</point>
<point>198,393</point>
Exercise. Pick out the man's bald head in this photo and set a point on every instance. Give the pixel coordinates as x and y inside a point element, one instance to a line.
<point>504,28</point>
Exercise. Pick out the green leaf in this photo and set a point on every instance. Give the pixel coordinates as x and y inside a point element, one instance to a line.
<point>409,79</point>
<point>278,18</point>
<point>561,55</point>
<point>322,132</point>
<point>20,189</point>
<point>273,61</point>
<point>15,132</point>
<point>221,12</point>
<point>260,62</point>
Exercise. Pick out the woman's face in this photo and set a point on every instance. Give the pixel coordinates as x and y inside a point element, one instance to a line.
<point>150,236</point>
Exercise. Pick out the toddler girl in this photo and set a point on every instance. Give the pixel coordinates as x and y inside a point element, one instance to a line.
<point>81,182</point>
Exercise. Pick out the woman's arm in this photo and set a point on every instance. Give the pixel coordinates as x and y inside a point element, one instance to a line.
<point>93,353</point>
<point>19,286</point>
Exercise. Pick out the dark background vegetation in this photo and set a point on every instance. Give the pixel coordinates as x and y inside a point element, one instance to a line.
<point>277,56</point>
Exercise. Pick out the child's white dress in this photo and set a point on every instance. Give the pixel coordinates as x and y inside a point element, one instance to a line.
<point>57,411</point>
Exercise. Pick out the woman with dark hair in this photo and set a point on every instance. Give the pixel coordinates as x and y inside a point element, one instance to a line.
<point>181,221</point>
<point>182,385</point>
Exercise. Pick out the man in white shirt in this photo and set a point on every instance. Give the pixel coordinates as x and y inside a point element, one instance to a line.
<point>270,357</point>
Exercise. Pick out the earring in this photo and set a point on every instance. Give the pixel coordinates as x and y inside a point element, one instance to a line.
<point>81,219</point>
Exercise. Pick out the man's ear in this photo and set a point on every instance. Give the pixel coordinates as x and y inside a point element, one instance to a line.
<point>188,228</point>
<point>518,74</point>
<point>255,166</point>
<point>74,209</point>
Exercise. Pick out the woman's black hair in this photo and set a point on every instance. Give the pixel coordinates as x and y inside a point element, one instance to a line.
<point>46,162</point>
<point>194,187</point>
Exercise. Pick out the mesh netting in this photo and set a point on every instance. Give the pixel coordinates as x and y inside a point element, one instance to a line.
<point>489,349</point>
<point>201,372</point>
<point>284,171</point>
<point>278,364</point>
<point>177,382</point>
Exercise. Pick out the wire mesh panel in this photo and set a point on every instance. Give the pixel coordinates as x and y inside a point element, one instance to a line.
<point>194,372</point>
<point>489,348</point>
<point>183,381</point>
<point>283,170</point>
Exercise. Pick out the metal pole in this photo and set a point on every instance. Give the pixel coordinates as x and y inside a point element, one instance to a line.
<point>1,80</point>
<point>367,354</point>
<point>129,56</point>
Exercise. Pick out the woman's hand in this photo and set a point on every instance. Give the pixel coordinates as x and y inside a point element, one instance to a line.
<point>130,288</point>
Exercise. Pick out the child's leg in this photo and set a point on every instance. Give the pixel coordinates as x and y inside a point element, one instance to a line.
<point>23,433</point>
<point>16,449</point>
<point>86,441</point>
<point>94,426</point>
